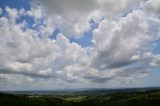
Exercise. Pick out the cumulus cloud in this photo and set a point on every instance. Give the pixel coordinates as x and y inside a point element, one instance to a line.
<point>122,42</point>
<point>72,17</point>
<point>152,7</point>
<point>24,52</point>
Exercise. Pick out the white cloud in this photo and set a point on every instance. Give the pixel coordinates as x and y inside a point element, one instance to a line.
<point>1,11</point>
<point>122,43</point>
<point>23,52</point>
<point>72,16</point>
<point>153,7</point>
<point>116,42</point>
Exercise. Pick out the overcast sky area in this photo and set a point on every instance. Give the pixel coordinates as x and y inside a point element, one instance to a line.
<point>70,44</point>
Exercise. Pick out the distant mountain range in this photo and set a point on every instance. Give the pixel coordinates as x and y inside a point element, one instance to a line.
<point>83,91</point>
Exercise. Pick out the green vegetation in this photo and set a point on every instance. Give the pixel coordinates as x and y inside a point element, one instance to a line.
<point>75,99</point>
<point>146,98</point>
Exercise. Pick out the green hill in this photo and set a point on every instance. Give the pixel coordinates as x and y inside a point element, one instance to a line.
<point>146,98</point>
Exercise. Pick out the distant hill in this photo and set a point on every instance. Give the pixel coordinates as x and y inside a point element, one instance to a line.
<point>83,91</point>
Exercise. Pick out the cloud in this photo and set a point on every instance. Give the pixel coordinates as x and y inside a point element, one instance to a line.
<point>72,17</point>
<point>117,42</point>
<point>122,48</point>
<point>24,52</point>
<point>1,11</point>
<point>152,7</point>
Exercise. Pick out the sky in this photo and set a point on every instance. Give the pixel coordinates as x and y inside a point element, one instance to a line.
<point>73,44</point>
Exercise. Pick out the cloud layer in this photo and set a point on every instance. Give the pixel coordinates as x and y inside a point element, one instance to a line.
<point>123,43</point>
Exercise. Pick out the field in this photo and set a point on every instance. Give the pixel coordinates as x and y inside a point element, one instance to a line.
<point>138,98</point>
